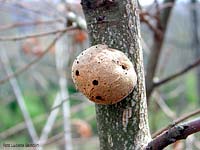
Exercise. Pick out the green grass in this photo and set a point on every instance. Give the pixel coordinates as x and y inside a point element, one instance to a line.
<point>191,88</point>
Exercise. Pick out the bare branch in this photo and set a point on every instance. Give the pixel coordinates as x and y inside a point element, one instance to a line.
<point>159,100</point>
<point>157,46</point>
<point>166,5</point>
<point>22,24</point>
<point>50,122</point>
<point>174,134</point>
<point>15,38</point>
<point>61,61</point>
<point>21,126</point>
<point>55,138</point>
<point>23,5</point>
<point>178,74</point>
<point>77,107</point>
<point>154,29</point>
<point>23,69</point>
<point>19,98</point>
<point>177,121</point>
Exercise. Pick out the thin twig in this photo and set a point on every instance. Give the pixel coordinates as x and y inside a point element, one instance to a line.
<point>14,130</point>
<point>23,69</point>
<point>174,134</point>
<point>70,96</point>
<point>177,121</point>
<point>165,5</point>
<point>21,126</point>
<point>161,24</point>
<point>50,122</point>
<point>61,62</point>
<point>55,138</point>
<point>59,105</point>
<point>21,24</point>
<point>159,100</point>
<point>178,74</point>
<point>154,29</point>
<point>16,38</point>
<point>58,136</point>
<point>19,98</point>
<point>38,12</point>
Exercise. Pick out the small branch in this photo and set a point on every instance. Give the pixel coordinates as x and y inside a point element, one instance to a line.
<point>72,96</point>
<point>59,105</point>
<point>40,12</point>
<point>16,38</point>
<point>21,126</point>
<point>14,130</point>
<point>166,5</point>
<point>178,120</point>
<point>178,74</point>
<point>22,24</point>
<point>23,69</point>
<point>55,138</point>
<point>174,134</point>
<point>20,99</point>
<point>61,63</point>
<point>162,23</point>
<point>156,31</point>
<point>159,100</point>
<point>50,122</point>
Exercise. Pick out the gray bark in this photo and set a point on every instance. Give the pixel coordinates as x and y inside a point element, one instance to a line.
<point>122,126</point>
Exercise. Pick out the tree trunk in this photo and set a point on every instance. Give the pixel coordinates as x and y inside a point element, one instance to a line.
<point>122,126</point>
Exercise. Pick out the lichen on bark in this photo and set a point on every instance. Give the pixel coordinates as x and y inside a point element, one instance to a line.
<point>122,126</point>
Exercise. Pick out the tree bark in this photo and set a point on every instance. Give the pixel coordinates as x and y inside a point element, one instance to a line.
<point>174,134</point>
<point>122,126</point>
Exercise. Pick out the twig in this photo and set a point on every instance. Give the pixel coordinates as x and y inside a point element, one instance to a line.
<point>50,121</point>
<point>61,62</point>
<point>77,107</point>
<point>166,5</point>
<point>59,105</point>
<point>180,73</point>
<point>177,121</point>
<point>52,6</point>
<point>174,134</point>
<point>16,38</point>
<point>159,100</point>
<point>21,126</point>
<point>38,12</point>
<point>58,136</point>
<point>21,24</point>
<point>157,46</point>
<point>154,29</point>
<point>19,98</point>
<point>55,138</point>
<point>23,69</point>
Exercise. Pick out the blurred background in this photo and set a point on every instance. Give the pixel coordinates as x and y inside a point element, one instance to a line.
<point>38,101</point>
